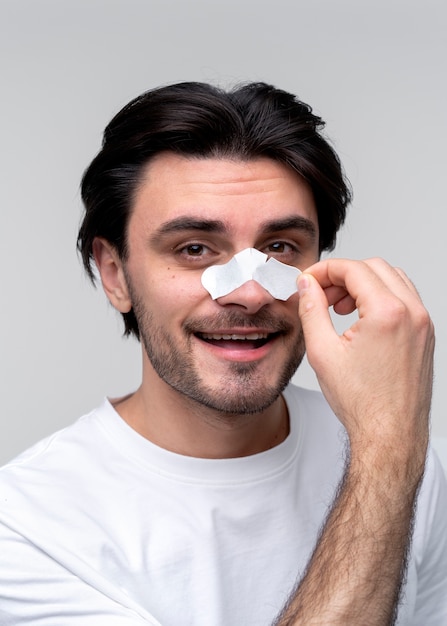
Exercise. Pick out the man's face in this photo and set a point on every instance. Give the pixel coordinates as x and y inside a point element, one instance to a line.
<point>234,354</point>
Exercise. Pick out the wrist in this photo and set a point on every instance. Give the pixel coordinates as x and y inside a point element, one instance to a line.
<point>391,471</point>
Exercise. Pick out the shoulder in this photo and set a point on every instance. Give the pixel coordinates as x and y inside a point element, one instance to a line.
<point>321,438</point>
<point>432,500</point>
<point>311,412</point>
<point>299,399</point>
<point>54,476</point>
<point>56,453</point>
<point>428,564</point>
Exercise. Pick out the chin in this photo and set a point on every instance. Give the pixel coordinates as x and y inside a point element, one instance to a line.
<point>241,393</point>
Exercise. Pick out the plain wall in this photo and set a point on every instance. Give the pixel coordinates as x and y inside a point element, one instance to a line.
<point>375,71</point>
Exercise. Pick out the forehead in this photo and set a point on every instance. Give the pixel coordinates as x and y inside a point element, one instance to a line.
<point>173,186</point>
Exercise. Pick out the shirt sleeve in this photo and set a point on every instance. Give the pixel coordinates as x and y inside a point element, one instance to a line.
<point>36,589</point>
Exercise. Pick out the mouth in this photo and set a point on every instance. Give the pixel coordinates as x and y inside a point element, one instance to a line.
<point>238,341</point>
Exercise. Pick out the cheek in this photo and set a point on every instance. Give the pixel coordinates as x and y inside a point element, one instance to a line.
<point>177,292</point>
<point>292,302</point>
<point>292,311</point>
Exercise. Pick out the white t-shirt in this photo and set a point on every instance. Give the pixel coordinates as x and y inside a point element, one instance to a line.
<point>100,527</point>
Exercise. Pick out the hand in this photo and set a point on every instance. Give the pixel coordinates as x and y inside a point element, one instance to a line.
<point>377,376</point>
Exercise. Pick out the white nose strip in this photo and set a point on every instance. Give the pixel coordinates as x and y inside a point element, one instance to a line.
<point>277,278</point>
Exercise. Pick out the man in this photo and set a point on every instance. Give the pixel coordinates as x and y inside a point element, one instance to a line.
<point>218,493</point>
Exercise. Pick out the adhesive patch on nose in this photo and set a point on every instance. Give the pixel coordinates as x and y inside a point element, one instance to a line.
<point>277,278</point>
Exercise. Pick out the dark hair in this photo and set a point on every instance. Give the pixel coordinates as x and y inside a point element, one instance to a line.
<point>200,120</point>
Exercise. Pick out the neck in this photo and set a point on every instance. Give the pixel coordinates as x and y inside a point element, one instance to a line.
<point>172,421</point>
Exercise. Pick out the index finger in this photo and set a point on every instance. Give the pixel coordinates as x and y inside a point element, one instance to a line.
<point>363,280</point>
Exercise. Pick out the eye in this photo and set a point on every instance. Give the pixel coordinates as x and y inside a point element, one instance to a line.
<point>194,249</point>
<point>195,253</point>
<point>280,248</point>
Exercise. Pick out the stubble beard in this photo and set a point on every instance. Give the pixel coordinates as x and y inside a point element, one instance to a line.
<point>242,390</point>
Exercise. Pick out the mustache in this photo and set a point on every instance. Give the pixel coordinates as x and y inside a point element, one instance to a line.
<point>235,319</point>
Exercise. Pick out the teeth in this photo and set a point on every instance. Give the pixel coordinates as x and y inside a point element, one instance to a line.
<point>247,337</point>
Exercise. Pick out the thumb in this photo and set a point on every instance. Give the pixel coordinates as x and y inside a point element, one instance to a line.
<point>319,333</point>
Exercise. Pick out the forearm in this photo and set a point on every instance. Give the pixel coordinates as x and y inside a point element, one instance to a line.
<point>377,377</point>
<point>358,566</point>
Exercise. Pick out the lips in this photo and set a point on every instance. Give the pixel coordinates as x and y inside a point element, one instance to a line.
<point>235,336</point>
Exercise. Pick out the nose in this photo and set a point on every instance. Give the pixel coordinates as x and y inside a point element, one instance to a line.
<point>251,296</point>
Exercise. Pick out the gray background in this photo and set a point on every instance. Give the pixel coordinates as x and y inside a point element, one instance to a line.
<point>375,71</point>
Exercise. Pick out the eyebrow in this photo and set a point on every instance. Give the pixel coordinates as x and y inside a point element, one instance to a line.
<point>294,222</point>
<point>190,223</point>
<point>184,223</point>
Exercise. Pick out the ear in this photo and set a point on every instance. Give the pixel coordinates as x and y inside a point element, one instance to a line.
<point>110,268</point>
